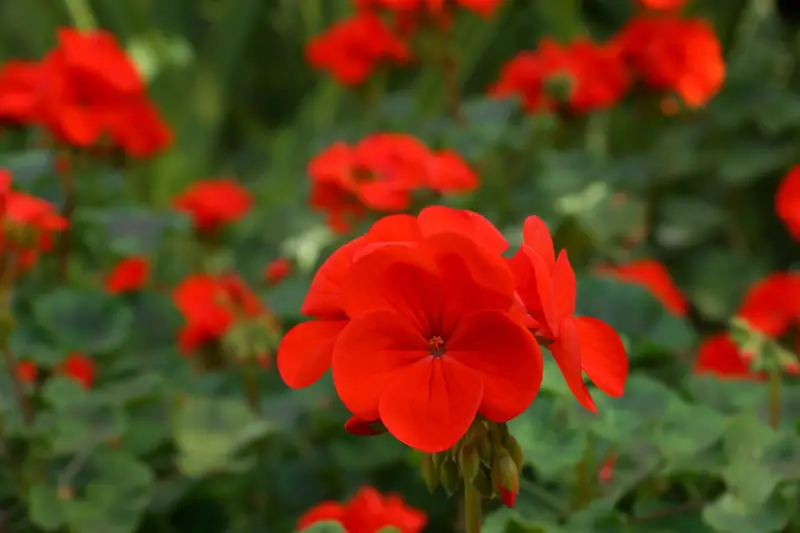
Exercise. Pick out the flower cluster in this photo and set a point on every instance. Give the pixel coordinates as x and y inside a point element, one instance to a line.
<point>86,93</point>
<point>380,173</point>
<point>368,511</point>
<point>426,326</point>
<point>666,52</point>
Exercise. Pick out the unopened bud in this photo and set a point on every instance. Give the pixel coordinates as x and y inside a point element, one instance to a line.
<point>483,483</point>
<point>430,473</point>
<point>515,451</point>
<point>505,476</point>
<point>485,450</point>
<point>450,477</point>
<point>469,461</point>
<point>439,458</point>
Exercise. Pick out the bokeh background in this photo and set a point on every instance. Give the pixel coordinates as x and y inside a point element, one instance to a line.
<point>649,178</point>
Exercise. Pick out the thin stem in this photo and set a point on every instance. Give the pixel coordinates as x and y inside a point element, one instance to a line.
<point>472,508</point>
<point>7,277</point>
<point>774,398</point>
<point>81,14</point>
<point>452,82</point>
<point>67,211</point>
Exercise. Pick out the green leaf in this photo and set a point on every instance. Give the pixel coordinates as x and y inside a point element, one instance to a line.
<point>750,480</point>
<point>84,320</point>
<point>729,397</point>
<point>209,433</point>
<point>44,507</point>
<point>327,526</point>
<point>687,430</point>
<point>83,419</point>
<point>547,441</point>
<point>635,414</point>
<point>731,514</point>
<point>747,437</point>
<point>688,220</point>
<point>115,499</point>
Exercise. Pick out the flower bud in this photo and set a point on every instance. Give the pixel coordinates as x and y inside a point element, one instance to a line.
<point>505,476</point>
<point>515,451</point>
<point>430,473</point>
<point>483,484</point>
<point>469,461</point>
<point>449,476</point>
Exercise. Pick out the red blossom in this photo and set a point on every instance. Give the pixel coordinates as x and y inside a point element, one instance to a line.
<point>352,49</point>
<point>367,512</point>
<point>380,173</point>
<point>673,54</point>
<point>79,368</point>
<point>653,276</point>
<point>210,305</point>
<point>787,201</point>
<point>128,275</point>
<point>27,371</point>
<point>277,270</point>
<point>719,356</point>
<point>546,288</point>
<point>86,92</point>
<point>214,203</point>
<point>662,5</point>
<point>772,305</point>
<point>583,77</point>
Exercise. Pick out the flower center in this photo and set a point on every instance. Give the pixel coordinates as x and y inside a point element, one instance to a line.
<point>436,346</point>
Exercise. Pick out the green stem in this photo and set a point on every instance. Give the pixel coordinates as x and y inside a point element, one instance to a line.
<point>472,509</point>
<point>81,14</point>
<point>774,398</point>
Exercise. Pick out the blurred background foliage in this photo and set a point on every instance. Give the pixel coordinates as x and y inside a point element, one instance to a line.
<point>231,79</point>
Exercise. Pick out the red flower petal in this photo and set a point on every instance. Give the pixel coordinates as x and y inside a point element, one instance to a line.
<point>439,219</point>
<point>602,355</point>
<point>394,228</point>
<point>430,405</point>
<point>536,235</point>
<point>324,294</point>
<point>473,277</point>
<point>566,350</point>
<point>564,286</point>
<point>364,428</point>
<point>304,354</point>
<point>396,278</point>
<point>507,357</point>
<point>368,354</point>
<point>535,288</point>
<point>718,355</point>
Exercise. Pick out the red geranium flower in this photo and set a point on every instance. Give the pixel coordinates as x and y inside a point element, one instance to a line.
<point>351,49</point>
<point>19,94</point>
<point>27,371</point>
<point>367,512</point>
<point>719,356</point>
<point>79,368</point>
<point>277,270</point>
<point>653,276</point>
<point>546,288</point>
<point>214,203</point>
<point>128,275</point>
<point>772,305</point>
<point>211,305</point>
<point>305,351</point>
<point>582,76</point>
<point>668,53</point>
<point>787,201</point>
<point>379,173</point>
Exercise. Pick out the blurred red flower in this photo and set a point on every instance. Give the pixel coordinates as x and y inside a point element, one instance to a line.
<point>772,305</point>
<point>581,77</point>
<point>210,306</point>
<point>85,92</point>
<point>367,512</point>
<point>674,54</point>
<point>379,173</point>
<point>787,201</point>
<point>277,270</point>
<point>79,368</point>
<point>27,371</point>
<point>718,355</point>
<point>213,203</point>
<point>352,49</point>
<point>128,275</point>
<point>662,5</point>
<point>653,276</point>
<point>546,288</point>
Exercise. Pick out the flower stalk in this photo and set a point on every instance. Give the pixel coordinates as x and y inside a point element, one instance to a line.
<point>472,509</point>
